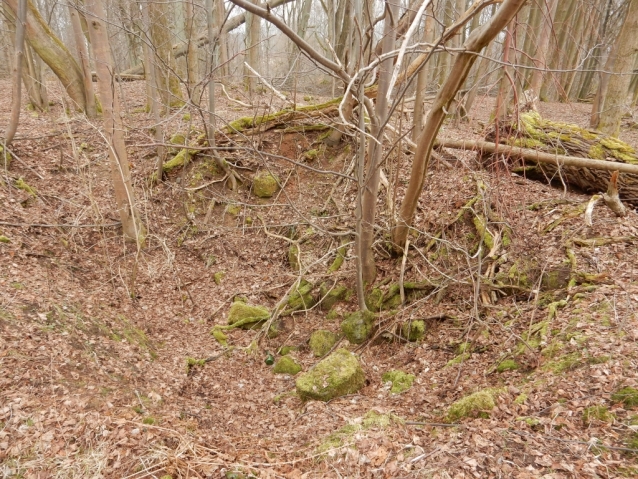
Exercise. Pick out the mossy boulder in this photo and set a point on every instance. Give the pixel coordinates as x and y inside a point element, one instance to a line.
<point>507,365</point>
<point>332,295</point>
<point>378,300</point>
<point>337,375</point>
<point>357,327</point>
<point>301,297</point>
<point>627,396</point>
<point>265,185</point>
<point>413,330</point>
<point>321,342</point>
<point>242,315</point>
<point>478,404</point>
<point>178,139</point>
<point>286,365</point>
<point>400,381</point>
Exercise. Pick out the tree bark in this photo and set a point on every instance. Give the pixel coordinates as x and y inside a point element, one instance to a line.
<point>474,44</point>
<point>375,150</point>
<point>625,54</point>
<point>54,53</point>
<point>167,81</point>
<point>113,128</point>
<point>83,54</point>
<point>14,118</point>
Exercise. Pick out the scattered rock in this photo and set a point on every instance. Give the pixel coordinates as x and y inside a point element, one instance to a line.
<point>331,296</point>
<point>337,375</point>
<point>400,381</point>
<point>301,298</point>
<point>286,365</point>
<point>413,330</point>
<point>321,342</point>
<point>265,185</point>
<point>357,327</point>
<point>480,404</point>
<point>242,315</point>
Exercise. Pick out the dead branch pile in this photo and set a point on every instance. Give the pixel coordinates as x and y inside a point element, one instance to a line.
<point>533,132</point>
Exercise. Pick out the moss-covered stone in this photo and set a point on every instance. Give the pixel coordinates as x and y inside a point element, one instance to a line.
<point>232,210</point>
<point>217,277</point>
<point>242,315</point>
<point>286,365</point>
<point>374,299</point>
<point>265,184</point>
<point>400,381</point>
<point>478,404</point>
<point>337,375</point>
<point>284,350</point>
<point>357,327</point>
<point>556,278</point>
<point>507,365</point>
<point>597,413</point>
<point>413,330</point>
<point>627,396</point>
<point>331,295</point>
<point>338,261</point>
<point>24,186</point>
<point>321,342</point>
<point>4,239</point>
<point>301,298</point>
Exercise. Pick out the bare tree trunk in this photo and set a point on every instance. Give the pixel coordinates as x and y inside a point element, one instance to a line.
<point>422,80</point>
<point>253,46</point>
<point>474,44</point>
<point>153,95</point>
<point>540,60</point>
<point>220,18</point>
<point>615,100</point>
<point>505,86</point>
<point>375,150</point>
<point>32,78</point>
<point>83,54</point>
<point>192,72</point>
<point>16,101</point>
<point>54,54</point>
<point>132,225</point>
<point>167,81</point>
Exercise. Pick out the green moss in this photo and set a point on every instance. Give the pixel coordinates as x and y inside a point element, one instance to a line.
<point>332,315</point>
<point>311,155</point>
<point>597,413</point>
<point>301,298</point>
<point>372,420</point>
<point>481,228</point>
<point>265,185</point>
<point>337,375</point>
<point>233,210</point>
<point>338,261</point>
<point>480,404</point>
<point>149,420</point>
<point>186,116</point>
<point>242,315</point>
<point>628,396</point>
<point>507,365</point>
<point>219,336</point>
<point>178,160</point>
<point>374,299</point>
<point>331,295</point>
<point>284,350</point>
<point>413,330</point>
<point>321,342</point>
<point>358,326</point>
<point>4,239</point>
<point>192,362</point>
<point>461,358</point>
<point>286,365</point>
<point>217,277</point>
<point>400,381</point>
<point>521,399</point>
<point>22,185</point>
<point>177,139</point>
<point>564,363</point>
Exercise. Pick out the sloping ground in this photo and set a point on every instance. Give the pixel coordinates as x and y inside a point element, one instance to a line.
<point>93,362</point>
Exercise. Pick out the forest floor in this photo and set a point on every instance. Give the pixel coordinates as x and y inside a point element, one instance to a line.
<point>93,358</point>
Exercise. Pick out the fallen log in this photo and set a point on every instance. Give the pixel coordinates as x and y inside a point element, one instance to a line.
<point>538,156</point>
<point>552,150</point>
<point>122,77</point>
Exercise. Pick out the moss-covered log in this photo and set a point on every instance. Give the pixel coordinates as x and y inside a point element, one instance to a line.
<point>534,132</point>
